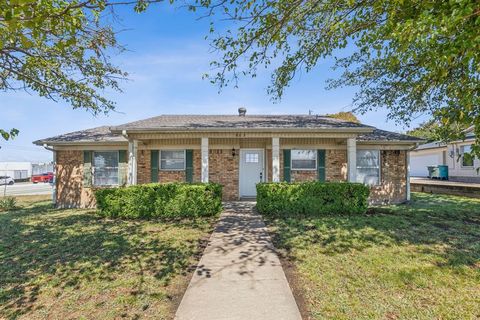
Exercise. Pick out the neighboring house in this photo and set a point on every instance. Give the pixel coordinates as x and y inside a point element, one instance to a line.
<point>235,151</point>
<point>461,165</point>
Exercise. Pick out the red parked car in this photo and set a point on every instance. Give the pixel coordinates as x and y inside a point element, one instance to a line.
<point>44,177</point>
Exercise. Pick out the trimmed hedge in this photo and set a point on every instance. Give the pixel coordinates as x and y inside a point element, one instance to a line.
<point>312,198</point>
<point>155,200</point>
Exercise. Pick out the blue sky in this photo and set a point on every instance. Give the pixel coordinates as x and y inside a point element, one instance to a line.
<point>166,58</point>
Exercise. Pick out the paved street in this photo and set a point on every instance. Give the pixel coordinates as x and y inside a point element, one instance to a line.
<point>26,188</point>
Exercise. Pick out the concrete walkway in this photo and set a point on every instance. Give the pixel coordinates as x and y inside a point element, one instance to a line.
<point>239,275</point>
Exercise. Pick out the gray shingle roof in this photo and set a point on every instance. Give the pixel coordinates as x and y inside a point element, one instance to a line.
<point>199,122</point>
<point>107,134</point>
<point>382,135</point>
<point>98,134</point>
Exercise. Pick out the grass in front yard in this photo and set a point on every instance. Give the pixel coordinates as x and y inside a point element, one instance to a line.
<point>70,264</point>
<point>416,261</point>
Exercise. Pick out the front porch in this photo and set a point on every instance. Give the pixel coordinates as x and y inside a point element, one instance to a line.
<point>240,160</point>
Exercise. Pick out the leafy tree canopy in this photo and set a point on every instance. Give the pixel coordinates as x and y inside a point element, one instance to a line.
<point>433,130</point>
<point>426,130</point>
<point>58,49</point>
<point>411,57</point>
<point>342,115</point>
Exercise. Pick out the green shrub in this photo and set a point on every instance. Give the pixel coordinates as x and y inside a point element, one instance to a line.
<point>167,200</point>
<point>8,203</point>
<point>311,198</point>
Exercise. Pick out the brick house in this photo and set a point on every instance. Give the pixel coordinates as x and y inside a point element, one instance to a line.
<point>236,151</point>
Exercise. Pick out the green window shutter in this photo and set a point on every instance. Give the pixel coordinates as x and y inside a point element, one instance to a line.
<point>87,168</point>
<point>122,167</point>
<point>286,165</point>
<point>321,165</point>
<point>154,162</point>
<point>189,166</point>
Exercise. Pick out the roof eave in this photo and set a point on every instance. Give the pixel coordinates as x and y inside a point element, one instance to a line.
<point>176,129</point>
<point>77,143</point>
<point>390,141</point>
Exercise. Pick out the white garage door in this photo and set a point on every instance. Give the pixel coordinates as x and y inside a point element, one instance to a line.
<point>419,163</point>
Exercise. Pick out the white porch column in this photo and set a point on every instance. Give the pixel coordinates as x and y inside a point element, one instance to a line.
<point>204,149</point>
<point>276,159</point>
<point>407,160</point>
<point>132,162</point>
<point>352,159</point>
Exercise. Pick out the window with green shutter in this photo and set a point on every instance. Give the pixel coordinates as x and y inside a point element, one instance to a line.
<point>154,162</point>
<point>321,165</point>
<point>189,166</point>
<point>286,165</point>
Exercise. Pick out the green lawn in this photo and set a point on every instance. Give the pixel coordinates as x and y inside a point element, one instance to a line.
<point>71,264</point>
<point>417,261</point>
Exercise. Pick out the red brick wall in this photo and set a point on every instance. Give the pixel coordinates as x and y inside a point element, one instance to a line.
<point>393,178</point>
<point>223,169</point>
<point>144,166</point>
<point>336,165</point>
<point>303,175</point>
<point>70,192</point>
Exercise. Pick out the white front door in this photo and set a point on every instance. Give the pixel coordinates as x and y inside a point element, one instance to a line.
<point>251,171</point>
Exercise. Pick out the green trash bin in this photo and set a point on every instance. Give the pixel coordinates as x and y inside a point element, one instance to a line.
<point>443,172</point>
<point>433,172</point>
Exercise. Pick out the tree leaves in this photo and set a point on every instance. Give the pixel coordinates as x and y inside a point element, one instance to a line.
<point>410,57</point>
<point>8,134</point>
<point>58,49</point>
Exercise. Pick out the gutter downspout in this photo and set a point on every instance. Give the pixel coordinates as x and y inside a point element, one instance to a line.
<point>54,182</point>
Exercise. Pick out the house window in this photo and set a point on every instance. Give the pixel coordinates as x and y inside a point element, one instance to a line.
<point>251,158</point>
<point>304,159</point>
<point>172,159</point>
<point>467,157</point>
<point>105,168</point>
<point>368,167</point>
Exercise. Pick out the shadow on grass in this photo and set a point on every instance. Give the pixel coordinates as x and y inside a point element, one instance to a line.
<point>450,222</point>
<point>42,247</point>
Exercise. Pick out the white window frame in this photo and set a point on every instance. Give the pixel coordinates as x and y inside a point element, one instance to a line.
<point>461,158</point>
<point>379,166</point>
<point>304,169</point>
<point>173,150</point>
<point>93,169</point>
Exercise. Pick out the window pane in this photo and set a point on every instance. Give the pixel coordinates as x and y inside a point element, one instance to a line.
<point>368,176</point>
<point>167,155</point>
<point>367,158</point>
<point>368,167</point>
<point>172,160</point>
<point>251,158</point>
<point>467,158</point>
<point>304,159</point>
<point>303,164</point>
<point>105,168</point>
<point>172,164</point>
<point>304,154</point>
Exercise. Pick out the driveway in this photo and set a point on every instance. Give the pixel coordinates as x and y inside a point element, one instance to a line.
<point>239,275</point>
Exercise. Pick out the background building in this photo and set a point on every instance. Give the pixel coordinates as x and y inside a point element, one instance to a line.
<point>22,171</point>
